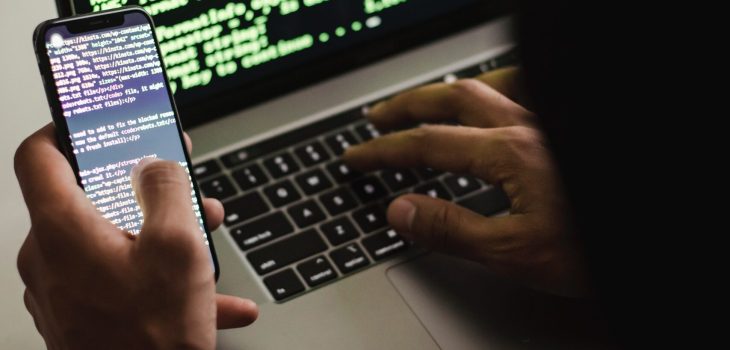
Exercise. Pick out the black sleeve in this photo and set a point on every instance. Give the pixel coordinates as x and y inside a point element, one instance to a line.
<point>590,71</point>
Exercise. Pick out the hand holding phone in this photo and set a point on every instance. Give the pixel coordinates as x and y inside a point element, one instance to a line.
<point>112,107</point>
<point>88,284</point>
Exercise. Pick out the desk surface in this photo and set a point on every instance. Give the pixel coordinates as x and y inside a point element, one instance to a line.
<point>24,110</point>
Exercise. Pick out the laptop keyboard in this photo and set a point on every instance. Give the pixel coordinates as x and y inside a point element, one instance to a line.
<point>303,218</point>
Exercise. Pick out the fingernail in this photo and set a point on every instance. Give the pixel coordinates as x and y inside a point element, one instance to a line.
<point>349,151</point>
<point>376,109</point>
<point>137,169</point>
<point>400,215</point>
<point>250,304</point>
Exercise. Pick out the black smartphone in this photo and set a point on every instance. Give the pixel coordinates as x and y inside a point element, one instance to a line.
<point>112,106</point>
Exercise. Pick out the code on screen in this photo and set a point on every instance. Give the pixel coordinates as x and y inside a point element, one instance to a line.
<point>112,92</point>
<point>213,46</point>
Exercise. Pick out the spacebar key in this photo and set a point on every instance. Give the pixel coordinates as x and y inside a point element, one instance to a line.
<point>286,251</point>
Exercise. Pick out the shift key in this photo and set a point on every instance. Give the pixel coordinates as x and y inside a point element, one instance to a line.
<point>287,251</point>
<point>262,230</point>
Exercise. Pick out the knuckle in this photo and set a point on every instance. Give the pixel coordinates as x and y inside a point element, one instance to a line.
<point>22,154</point>
<point>23,262</point>
<point>418,134</point>
<point>519,140</point>
<point>422,134</point>
<point>427,133</point>
<point>423,138</point>
<point>514,149</point>
<point>467,88</point>
<point>26,300</point>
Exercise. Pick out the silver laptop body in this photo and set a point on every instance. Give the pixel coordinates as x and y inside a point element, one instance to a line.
<point>408,300</point>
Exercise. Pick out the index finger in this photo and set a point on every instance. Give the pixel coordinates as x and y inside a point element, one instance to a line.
<point>47,180</point>
<point>469,101</point>
<point>188,142</point>
<point>433,146</point>
<point>507,81</point>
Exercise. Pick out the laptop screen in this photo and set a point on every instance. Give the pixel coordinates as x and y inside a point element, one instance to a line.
<point>237,52</point>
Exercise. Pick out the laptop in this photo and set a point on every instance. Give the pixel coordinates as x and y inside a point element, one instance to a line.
<point>272,93</point>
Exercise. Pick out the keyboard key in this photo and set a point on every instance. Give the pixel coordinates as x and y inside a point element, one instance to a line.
<point>384,244</point>
<point>281,165</point>
<point>306,214</point>
<point>367,132</point>
<point>341,172</point>
<point>338,201</point>
<point>250,177</point>
<point>313,182</point>
<point>283,284</point>
<point>434,189</point>
<point>365,110</point>
<point>428,173</point>
<point>469,72</point>
<point>261,231</point>
<point>398,180</point>
<point>489,202</point>
<point>312,154</point>
<point>339,231</point>
<point>386,202</point>
<point>371,218</point>
<point>301,134</point>
<point>286,251</point>
<point>235,158</point>
<point>317,271</point>
<point>219,187</point>
<point>205,169</point>
<point>349,258</point>
<point>341,141</point>
<point>462,184</point>
<point>511,57</point>
<point>368,189</point>
<point>282,193</point>
<point>449,78</point>
<point>243,208</point>
<point>259,150</point>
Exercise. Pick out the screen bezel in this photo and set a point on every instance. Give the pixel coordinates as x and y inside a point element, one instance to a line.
<point>91,22</point>
<point>299,76</point>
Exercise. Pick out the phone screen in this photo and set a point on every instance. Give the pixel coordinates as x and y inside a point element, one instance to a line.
<point>118,110</point>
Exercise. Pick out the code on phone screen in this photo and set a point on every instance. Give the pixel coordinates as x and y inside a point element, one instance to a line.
<point>116,104</point>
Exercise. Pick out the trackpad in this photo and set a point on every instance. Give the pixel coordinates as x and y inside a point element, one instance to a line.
<point>464,307</point>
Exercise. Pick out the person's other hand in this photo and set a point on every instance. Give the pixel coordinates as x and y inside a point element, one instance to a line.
<point>93,286</point>
<point>498,142</point>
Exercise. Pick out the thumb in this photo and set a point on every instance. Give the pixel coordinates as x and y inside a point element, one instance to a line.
<point>444,226</point>
<point>163,191</point>
<point>235,312</point>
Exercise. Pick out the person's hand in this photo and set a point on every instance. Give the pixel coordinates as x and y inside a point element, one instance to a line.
<point>498,142</point>
<point>93,286</point>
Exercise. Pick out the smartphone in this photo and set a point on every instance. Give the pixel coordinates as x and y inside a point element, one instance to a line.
<point>112,106</point>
